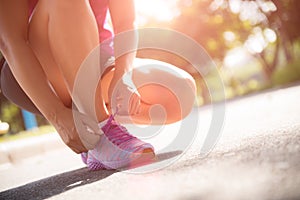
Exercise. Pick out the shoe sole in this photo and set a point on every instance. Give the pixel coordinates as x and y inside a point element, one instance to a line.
<point>146,157</point>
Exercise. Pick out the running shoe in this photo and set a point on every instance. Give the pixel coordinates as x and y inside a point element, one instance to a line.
<point>118,149</point>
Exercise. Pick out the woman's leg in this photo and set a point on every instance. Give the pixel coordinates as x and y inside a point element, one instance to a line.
<point>20,57</point>
<point>29,73</point>
<point>73,34</point>
<point>64,43</point>
<point>160,84</point>
<point>39,42</point>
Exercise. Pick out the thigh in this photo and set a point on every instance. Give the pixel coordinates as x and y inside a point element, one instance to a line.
<point>39,42</point>
<point>73,34</point>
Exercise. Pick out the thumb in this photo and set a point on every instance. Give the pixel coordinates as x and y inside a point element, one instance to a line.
<point>88,130</point>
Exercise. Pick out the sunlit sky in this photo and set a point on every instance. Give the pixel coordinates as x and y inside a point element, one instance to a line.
<point>237,57</point>
<point>160,10</point>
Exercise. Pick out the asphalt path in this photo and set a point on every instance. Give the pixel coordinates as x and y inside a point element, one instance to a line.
<point>257,157</point>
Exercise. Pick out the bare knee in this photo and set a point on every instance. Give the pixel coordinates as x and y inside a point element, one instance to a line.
<point>185,98</point>
<point>175,92</point>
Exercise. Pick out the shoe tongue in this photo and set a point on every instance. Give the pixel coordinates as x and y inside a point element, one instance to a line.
<point>109,124</point>
<point>112,130</point>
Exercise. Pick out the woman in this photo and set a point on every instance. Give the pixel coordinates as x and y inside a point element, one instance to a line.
<point>51,49</point>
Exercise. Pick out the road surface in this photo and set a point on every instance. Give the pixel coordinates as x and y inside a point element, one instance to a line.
<point>257,157</point>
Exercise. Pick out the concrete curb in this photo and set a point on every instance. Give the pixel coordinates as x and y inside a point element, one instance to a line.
<point>15,151</point>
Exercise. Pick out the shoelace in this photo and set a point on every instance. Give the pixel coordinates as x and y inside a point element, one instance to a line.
<point>116,133</point>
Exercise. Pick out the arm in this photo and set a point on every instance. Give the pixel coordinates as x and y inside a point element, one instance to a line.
<point>125,45</point>
<point>123,20</point>
<point>29,73</point>
<point>33,81</point>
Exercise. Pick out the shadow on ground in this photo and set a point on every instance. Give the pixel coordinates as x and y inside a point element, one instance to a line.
<point>60,183</point>
<point>54,185</point>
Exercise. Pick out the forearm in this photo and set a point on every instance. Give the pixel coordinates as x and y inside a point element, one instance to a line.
<point>21,59</point>
<point>32,79</point>
<point>126,35</point>
<point>125,46</point>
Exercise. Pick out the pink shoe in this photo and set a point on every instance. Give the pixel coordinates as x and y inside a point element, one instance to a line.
<point>84,157</point>
<point>118,149</point>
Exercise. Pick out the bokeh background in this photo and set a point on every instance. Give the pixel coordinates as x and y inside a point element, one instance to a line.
<point>254,43</point>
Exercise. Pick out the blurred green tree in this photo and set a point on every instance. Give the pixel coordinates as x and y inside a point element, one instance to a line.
<point>264,27</point>
<point>11,114</point>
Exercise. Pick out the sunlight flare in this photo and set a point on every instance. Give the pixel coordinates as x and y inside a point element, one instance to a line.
<point>156,10</point>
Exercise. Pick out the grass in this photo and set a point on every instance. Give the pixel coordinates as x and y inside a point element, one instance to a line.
<point>249,79</point>
<point>27,134</point>
<point>287,74</point>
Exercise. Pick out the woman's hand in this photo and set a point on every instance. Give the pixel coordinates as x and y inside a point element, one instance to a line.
<point>123,94</point>
<point>78,131</point>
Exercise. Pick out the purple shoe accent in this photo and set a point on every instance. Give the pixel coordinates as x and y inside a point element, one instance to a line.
<point>117,148</point>
<point>94,164</point>
<point>84,157</point>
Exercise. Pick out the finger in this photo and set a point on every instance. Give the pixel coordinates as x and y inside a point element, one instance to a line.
<point>81,148</point>
<point>131,105</point>
<point>91,126</point>
<point>76,144</point>
<point>139,108</point>
<point>78,148</point>
<point>134,104</point>
<point>137,105</point>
